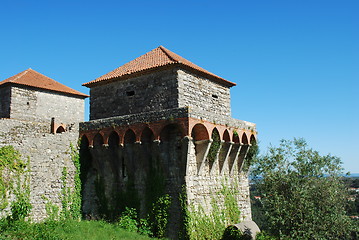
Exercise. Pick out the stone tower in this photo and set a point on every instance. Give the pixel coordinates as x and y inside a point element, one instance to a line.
<point>162,125</point>
<point>40,118</point>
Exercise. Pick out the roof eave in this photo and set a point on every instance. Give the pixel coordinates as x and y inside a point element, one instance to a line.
<point>82,95</point>
<point>150,70</point>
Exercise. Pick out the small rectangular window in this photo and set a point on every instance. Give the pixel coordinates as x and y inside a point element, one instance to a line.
<point>130,93</point>
<point>214,96</point>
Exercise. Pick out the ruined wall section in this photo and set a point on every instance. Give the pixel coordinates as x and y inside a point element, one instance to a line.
<point>4,102</point>
<point>151,92</point>
<point>203,94</point>
<point>39,105</point>
<point>48,154</point>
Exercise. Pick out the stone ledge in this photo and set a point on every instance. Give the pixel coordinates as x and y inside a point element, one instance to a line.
<point>167,114</point>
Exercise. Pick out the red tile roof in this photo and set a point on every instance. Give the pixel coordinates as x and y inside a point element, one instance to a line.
<point>158,57</point>
<point>35,79</point>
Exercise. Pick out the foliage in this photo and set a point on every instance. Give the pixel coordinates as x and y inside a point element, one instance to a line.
<point>264,236</point>
<point>130,221</point>
<point>70,196</point>
<point>21,206</point>
<point>213,150</point>
<point>201,224</point>
<point>251,156</point>
<point>302,193</point>
<point>233,233</point>
<point>14,180</point>
<point>159,216</point>
<point>65,229</point>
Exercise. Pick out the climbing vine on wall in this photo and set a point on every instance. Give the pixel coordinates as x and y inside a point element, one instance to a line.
<point>14,180</point>
<point>213,150</point>
<point>70,196</point>
<point>224,210</point>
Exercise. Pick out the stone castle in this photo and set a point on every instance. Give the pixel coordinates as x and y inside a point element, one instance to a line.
<point>158,125</point>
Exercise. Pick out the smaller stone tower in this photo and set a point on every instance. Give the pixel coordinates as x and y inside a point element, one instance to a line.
<point>31,96</point>
<point>39,117</point>
<point>162,125</point>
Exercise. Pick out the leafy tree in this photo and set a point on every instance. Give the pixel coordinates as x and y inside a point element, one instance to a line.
<point>303,195</point>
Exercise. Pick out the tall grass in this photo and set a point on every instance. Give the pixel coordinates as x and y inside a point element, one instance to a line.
<point>68,229</point>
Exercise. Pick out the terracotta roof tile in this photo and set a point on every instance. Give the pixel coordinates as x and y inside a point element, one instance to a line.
<point>156,58</point>
<point>35,79</point>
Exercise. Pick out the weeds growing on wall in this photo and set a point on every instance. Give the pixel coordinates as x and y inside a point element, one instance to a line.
<point>70,196</point>
<point>14,180</point>
<point>252,154</point>
<point>213,150</point>
<point>201,224</point>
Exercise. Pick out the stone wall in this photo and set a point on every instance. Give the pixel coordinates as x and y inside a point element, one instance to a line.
<point>203,184</point>
<point>158,91</point>
<point>5,102</point>
<point>174,113</point>
<point>40,105</point>
<point>48,154</point>
<point>203,94</point>
<point>150,92</point>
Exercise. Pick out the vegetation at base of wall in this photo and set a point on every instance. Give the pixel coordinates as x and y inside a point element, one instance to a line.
<point>70,196</point>
<point>14,180</point>
<point>158,217</point>
<point>65,229</point>
<point>200,224</point>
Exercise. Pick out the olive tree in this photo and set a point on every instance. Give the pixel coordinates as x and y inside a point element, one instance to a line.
<point>303,196</point>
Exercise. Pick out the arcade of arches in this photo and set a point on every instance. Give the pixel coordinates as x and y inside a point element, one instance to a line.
<point>145,161</point>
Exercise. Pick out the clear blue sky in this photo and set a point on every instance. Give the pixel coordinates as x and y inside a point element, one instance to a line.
<point>296,63</point>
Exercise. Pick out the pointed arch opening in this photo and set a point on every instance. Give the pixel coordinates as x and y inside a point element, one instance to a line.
<point>60,129</point>
<point>226,136</point>
<point>98,140</point>
<point>113,140</point>
<point>235,137</point>
<point>244,139</point>
<point>147,135</point>
<point>199,132</point>
<point>130,137</point>
<point>214,149</point>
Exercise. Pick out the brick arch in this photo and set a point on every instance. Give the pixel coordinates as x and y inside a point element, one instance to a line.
<point>169,130</point>
<point>244,138</point>
<point>235,137</point>
<point>113,139</point>
<point>147,135</point>
<point>129,136</point>
<point>215,131</point>
<point>84,141</point>
<point>98,140</point>
<point>226,136</point>
<point>60,129</point>
<point>252,139</point>
<point>199,132</point>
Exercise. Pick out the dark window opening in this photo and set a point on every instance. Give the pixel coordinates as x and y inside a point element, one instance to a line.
<point>215,96</point>
<point>130,93</point>
<point>28,103</point>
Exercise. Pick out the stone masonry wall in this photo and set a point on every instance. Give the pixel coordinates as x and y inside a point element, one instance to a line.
<point>203,94</point>
<point>150,92</point>
<point>48,154</point>
<point>41,106</point>
<point>201,187</point>
<point>4,102</point>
